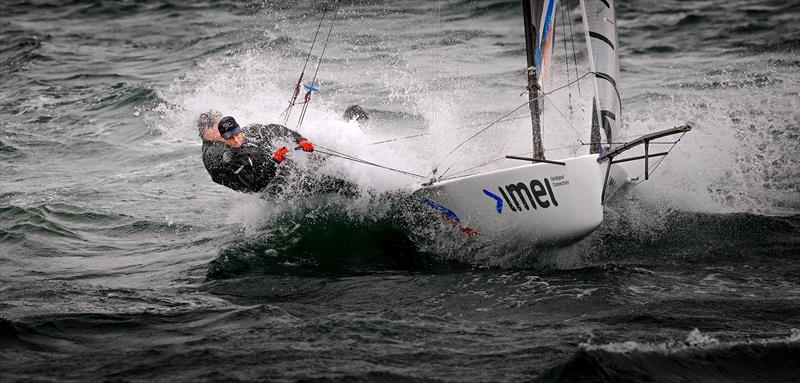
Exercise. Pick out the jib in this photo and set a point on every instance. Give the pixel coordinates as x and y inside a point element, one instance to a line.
<point>537,194</point>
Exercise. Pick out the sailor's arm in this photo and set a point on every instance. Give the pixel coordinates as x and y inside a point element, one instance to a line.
<point>239,167</point>
<point>302,143</point>
<point>279,130</point>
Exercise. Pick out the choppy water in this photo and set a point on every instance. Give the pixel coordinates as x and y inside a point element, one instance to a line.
<point>121,260</point>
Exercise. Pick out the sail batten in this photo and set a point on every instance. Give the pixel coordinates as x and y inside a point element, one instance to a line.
<point>602,38</point>
<point>599,21</point>
<point>607,77</point>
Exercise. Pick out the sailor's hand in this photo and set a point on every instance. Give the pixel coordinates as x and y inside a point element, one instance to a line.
<point>280,154</point>
<point>305,145</point>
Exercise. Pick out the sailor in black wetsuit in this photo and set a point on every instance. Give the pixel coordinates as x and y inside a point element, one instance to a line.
<point>253,159</point>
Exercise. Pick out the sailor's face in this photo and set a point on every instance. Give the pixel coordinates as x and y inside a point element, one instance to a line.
<point>235,141</point>
<point>212,134</point>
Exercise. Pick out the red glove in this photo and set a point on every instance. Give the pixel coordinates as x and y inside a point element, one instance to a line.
<point>305,145</point>
<point>280,154</point>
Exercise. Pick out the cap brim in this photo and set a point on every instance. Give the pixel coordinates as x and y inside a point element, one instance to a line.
<point>232,133</point>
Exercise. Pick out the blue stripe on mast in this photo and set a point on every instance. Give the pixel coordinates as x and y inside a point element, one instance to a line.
<point>545,28</point>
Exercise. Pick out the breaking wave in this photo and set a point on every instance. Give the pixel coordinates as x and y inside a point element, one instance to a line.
<point>698,358</point>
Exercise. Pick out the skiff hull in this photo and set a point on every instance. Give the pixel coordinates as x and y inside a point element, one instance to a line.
<point>538,204</point>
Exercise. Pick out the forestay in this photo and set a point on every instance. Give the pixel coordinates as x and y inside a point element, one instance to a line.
<point>599,22</point>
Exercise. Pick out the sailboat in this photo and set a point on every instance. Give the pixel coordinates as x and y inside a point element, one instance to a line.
<point>544,201</point>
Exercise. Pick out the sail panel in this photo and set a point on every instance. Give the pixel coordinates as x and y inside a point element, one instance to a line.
<point>544,54</point>
<point>600,24</point>
<point>541,33</point>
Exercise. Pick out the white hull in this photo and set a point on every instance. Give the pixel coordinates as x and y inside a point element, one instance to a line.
<point>538,204</point>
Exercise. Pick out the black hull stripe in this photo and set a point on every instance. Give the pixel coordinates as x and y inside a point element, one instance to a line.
<point>606,3</point>
<point>602,38</point>
<point>606,77</point>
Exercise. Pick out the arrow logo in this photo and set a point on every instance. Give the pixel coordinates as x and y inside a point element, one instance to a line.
<point>499,206</point>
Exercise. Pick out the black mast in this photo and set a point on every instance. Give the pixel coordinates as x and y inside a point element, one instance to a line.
<point>533,88</point>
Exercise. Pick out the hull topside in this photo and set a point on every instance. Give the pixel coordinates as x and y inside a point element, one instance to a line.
<point>538,204</point>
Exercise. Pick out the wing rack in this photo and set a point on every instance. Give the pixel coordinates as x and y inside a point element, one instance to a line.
<point>643,140</point>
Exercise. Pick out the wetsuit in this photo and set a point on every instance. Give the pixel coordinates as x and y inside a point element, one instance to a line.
<point>251,167</point>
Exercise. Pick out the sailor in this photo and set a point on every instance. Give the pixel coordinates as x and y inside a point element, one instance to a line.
<point>355,112</point>
<point>255,158</point>
<point>245,159</point>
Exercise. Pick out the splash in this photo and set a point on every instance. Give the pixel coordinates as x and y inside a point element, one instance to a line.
<point>695,340</point>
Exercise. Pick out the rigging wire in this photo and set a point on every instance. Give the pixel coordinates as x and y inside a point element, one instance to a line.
<point>566,60</point>
<point>293,99</point>
<point>623,142</point>
<point>569,123</point>
<point>572,41</point>
<point>443,131</point>
<point>566,54</point>
<point>307,98</point>
<point>325,46</point>
<point>483,130</point>
<point>457,174</point>
<point>333,153</point>
<point>576,81</point>
<point>534,99</point>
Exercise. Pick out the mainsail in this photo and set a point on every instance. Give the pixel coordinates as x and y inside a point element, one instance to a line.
<point>600,24</point>
<point>540,21</point>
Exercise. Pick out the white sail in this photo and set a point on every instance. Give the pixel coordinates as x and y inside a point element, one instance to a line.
<point>600,25</point>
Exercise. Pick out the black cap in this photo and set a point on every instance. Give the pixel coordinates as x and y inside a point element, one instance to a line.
<point>228,127</point>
